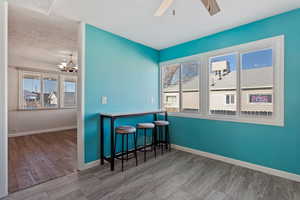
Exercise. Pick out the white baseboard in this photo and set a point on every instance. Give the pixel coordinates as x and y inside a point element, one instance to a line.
<point>42,131</point>
<point>271,171</point>
<point>92,164</point>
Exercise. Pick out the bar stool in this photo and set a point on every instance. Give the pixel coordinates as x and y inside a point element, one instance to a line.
<point>126,131</point>
<point>145,127</point>
<point>166,139</point>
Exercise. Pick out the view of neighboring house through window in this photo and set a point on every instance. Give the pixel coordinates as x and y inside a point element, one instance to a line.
<point>230,99</point>
<point>257,83</point>
<point>69,92</point>
<point>242,83</point>
<point>180,87</point>
<point>190,86</point>
<point>50,85</point>
<point>41,90</point>
<point>31,91</point>
<point>223,84</point>
<point>170,87</point>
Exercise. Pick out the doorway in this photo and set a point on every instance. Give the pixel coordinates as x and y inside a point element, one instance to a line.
<point>43,97</point>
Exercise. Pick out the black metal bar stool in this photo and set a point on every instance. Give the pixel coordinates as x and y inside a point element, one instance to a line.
<point>145,127</point>
<point>163,135</point>
<point>126,131</point>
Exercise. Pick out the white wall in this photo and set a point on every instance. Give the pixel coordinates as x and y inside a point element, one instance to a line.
<point>28,122</point>
<point>3,102</point>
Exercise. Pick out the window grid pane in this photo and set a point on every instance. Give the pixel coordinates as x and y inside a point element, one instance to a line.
<point>257,83</point>
<point>69,93</point>
<point>31,91</point>
<point>223,84</point>
<point>190,87</point>
<point>170,87</point>
<point>50,90</point>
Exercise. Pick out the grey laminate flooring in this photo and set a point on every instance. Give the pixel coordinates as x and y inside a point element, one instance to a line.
<point>174,176</point>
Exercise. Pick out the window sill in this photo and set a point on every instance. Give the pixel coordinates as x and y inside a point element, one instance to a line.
<point>239,119</point>
<point>45,109</point>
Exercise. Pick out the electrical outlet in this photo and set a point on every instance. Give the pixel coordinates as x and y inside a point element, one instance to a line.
<point>104,100</point>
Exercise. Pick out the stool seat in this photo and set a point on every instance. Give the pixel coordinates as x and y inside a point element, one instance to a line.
<point>161,123</point>
<point>145,125</point>
<point>125,129</point>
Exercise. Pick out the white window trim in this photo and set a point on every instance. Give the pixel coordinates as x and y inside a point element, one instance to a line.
<point>60,89</point>
<point>276,43</point>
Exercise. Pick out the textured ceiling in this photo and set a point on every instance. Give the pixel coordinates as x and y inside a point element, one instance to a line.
<point>134,19</point>
<point>39,41</point>
<point>43,6</point>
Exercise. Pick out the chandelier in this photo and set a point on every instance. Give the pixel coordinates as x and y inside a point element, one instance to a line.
<point>68,66</point>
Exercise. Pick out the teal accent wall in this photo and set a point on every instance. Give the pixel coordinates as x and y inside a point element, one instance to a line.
<point>270,146</point>
<point>124,71</point>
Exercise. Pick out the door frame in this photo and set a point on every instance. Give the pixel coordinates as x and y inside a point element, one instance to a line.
<point>4,95</point>
<point>80,97</point>
<point>3,100</point>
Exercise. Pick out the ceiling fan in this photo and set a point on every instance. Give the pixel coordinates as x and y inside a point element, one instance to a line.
<point>211,6</point>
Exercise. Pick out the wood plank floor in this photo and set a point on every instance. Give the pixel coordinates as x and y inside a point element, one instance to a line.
<point>35,159</point>
<point>174,176</point>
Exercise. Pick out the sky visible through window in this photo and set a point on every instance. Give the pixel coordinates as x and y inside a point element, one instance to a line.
<point>257,59</point>
<point>32,85</point>
<point>231,59</point>
<point>252,60</point>
<point>50,85</point>
<point>70,86</point>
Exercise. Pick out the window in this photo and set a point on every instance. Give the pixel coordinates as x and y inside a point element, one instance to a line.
<point>230,99</point>
<point>31,91</point>
<point>257,82</point>
<point>223,84</point>
<point>171,99</point>
<point>50,91</point>
<point>180,87</point>
<point>69,92</point>
<point>42,91</point>
<point>190,86</point>
<point>243,83</point>
<point>170,87</point>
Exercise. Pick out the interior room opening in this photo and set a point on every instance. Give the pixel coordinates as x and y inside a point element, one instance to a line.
<point>42,97</point>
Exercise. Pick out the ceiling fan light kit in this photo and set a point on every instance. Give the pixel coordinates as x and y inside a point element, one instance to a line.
<point>211,6</point>
<point>69,66</point>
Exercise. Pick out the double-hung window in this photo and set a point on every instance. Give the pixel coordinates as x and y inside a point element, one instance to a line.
<point>180,87</point>
<point>243,83</point>
<point>50,91</point>
<point>69,93</point>
<point>41,90</point>
<point>31,92</point>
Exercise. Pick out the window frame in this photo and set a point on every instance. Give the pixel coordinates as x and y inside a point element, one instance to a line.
<point>46,75</point>
<point>42,75</point>
<point>275,43</point>
<point>21,89</point>
<point>180,91</point>
<point>62,92</point>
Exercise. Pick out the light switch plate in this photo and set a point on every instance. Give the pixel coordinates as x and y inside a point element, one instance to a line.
<point>104,100</point>
<point>152,100</point>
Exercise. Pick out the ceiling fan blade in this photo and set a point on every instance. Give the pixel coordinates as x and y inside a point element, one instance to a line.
<point>211,6</point>
<point>163,7</point>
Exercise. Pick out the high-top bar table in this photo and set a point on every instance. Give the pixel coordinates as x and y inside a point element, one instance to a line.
<point>113,117</point>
